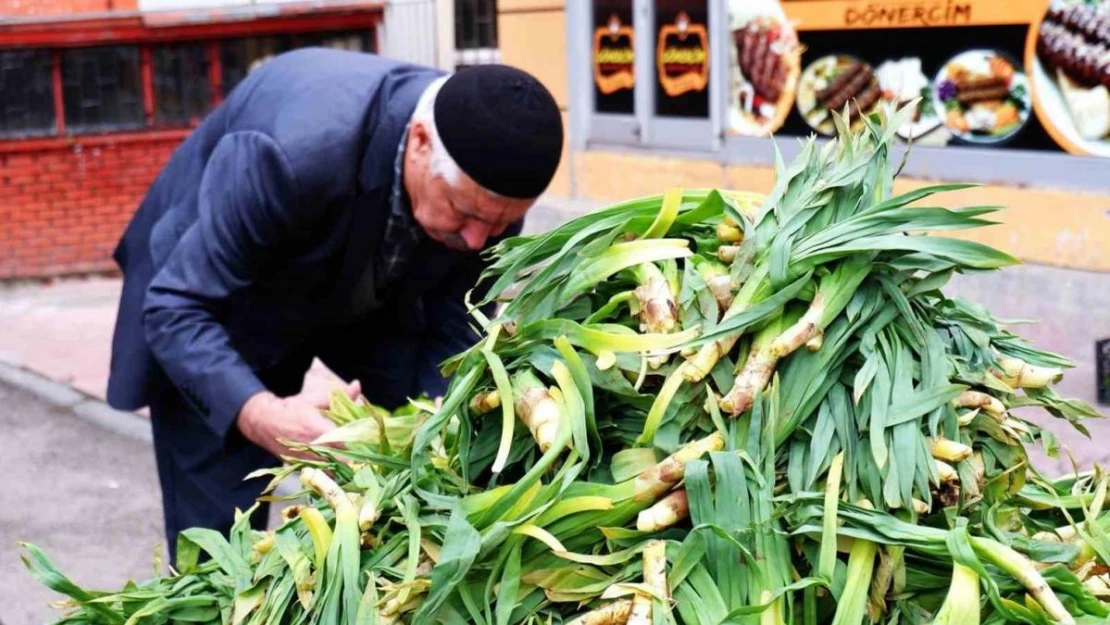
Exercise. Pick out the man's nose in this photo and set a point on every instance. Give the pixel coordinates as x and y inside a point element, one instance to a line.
<point>475,234</point>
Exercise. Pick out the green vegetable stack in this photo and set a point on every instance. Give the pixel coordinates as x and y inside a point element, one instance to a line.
<point>703,407</point>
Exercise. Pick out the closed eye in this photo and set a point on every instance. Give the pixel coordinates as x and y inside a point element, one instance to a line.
<point>469,214</point>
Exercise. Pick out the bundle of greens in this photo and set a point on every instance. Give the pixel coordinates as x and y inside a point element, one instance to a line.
<point>703,407</point>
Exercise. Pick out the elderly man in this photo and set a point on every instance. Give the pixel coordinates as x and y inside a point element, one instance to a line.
<point>333,207</point>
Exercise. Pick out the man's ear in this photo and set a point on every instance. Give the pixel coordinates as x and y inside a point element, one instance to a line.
<point>421,139</point>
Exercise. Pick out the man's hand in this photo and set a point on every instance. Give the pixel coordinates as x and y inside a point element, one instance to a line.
<point>266,418</point>
<point>318,395</point>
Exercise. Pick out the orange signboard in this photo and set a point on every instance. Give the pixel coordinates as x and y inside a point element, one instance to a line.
<point>682,56</point>
<point>614,56</point>
<point>861,14</point>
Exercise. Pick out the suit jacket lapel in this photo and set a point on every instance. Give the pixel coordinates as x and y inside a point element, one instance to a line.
<point>429,264</point>
<point>397,97</point>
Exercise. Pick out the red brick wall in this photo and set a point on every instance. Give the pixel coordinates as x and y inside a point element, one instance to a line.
<point>63,207</point>
<point>63,204</point>
<point>60,7</point>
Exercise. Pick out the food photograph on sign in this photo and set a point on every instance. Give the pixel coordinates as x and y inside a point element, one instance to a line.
<point>984,98</point>
<point>833,82</point>
<point>765,63</point>
<point>1030,75</point>
<point>903,83</point>
<point>1068,56</point>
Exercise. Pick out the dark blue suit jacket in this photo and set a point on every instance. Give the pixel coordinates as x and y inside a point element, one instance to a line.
<point>249,255</point>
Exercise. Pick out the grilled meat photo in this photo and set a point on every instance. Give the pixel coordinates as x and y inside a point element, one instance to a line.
<point>855,81</point>
<point>1073,45</point>
<point>760,62</point>
<point>1076,40</point>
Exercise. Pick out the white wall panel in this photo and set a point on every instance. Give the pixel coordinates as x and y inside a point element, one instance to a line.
<point>410,32</point>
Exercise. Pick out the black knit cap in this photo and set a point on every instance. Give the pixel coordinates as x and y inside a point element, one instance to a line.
<point>502,127</point>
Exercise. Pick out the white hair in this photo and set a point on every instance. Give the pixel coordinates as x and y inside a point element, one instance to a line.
<point>441,164</point>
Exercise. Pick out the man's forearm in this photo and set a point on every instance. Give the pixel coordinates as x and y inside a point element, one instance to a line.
<point>252,415</point>
<point>196,353</point>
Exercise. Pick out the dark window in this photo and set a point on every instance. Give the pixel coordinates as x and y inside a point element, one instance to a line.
<point>475,24</point>
<point>182,93</point>
<point>102,88</point>
<point>239,56</point>
<point>613,59</point>
<point>355,41</point>
<point>26,93</point>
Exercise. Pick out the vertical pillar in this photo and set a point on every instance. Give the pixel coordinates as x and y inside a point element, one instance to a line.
<point>56,78</point>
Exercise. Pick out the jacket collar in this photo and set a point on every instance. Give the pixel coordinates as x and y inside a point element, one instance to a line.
<point>386,120</point>
<point>397,98</point>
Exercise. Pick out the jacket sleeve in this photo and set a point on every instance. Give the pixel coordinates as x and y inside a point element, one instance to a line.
<point>449,323</point>
<point>246,211</point>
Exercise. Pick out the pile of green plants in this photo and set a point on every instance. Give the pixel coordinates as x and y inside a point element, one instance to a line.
<point>701,407</point>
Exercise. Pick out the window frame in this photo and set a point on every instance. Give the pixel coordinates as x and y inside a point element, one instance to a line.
<point>476,50</point>
<point>650,134</point>
<point>644,128</point>
<point>614,128</point>
<point>485,15</point>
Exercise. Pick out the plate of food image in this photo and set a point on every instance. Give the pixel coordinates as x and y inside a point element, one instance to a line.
<point>903,82</point>
<point>765,65</point>
<point>1068,56</point>
<point>832,82</point>
<point>982,96</point>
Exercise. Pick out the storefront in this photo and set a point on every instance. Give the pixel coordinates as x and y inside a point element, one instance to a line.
<point>1011,95</point>
<point>93,103</point>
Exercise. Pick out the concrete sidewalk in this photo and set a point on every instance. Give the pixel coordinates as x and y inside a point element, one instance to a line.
<point>63,329</point>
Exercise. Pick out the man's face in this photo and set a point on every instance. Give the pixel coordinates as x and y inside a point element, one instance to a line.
<point>462,217</point>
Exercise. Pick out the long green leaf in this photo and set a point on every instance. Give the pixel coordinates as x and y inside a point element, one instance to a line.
<point>461,545</point>
<point>508,410</point>
<point>44,570</point>
<point>668,212</point>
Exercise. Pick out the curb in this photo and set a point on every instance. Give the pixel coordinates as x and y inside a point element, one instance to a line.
<point>77,403</point>
<point>95,411</point>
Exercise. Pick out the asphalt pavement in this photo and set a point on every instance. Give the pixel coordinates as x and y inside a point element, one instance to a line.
<point>84,494</point>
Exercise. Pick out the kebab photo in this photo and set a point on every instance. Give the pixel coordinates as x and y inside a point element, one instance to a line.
<point>903,83</point>
<point>984,99</point>
<point>833,82</point>
<point>1072,69</point>
<point>766,62</point>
